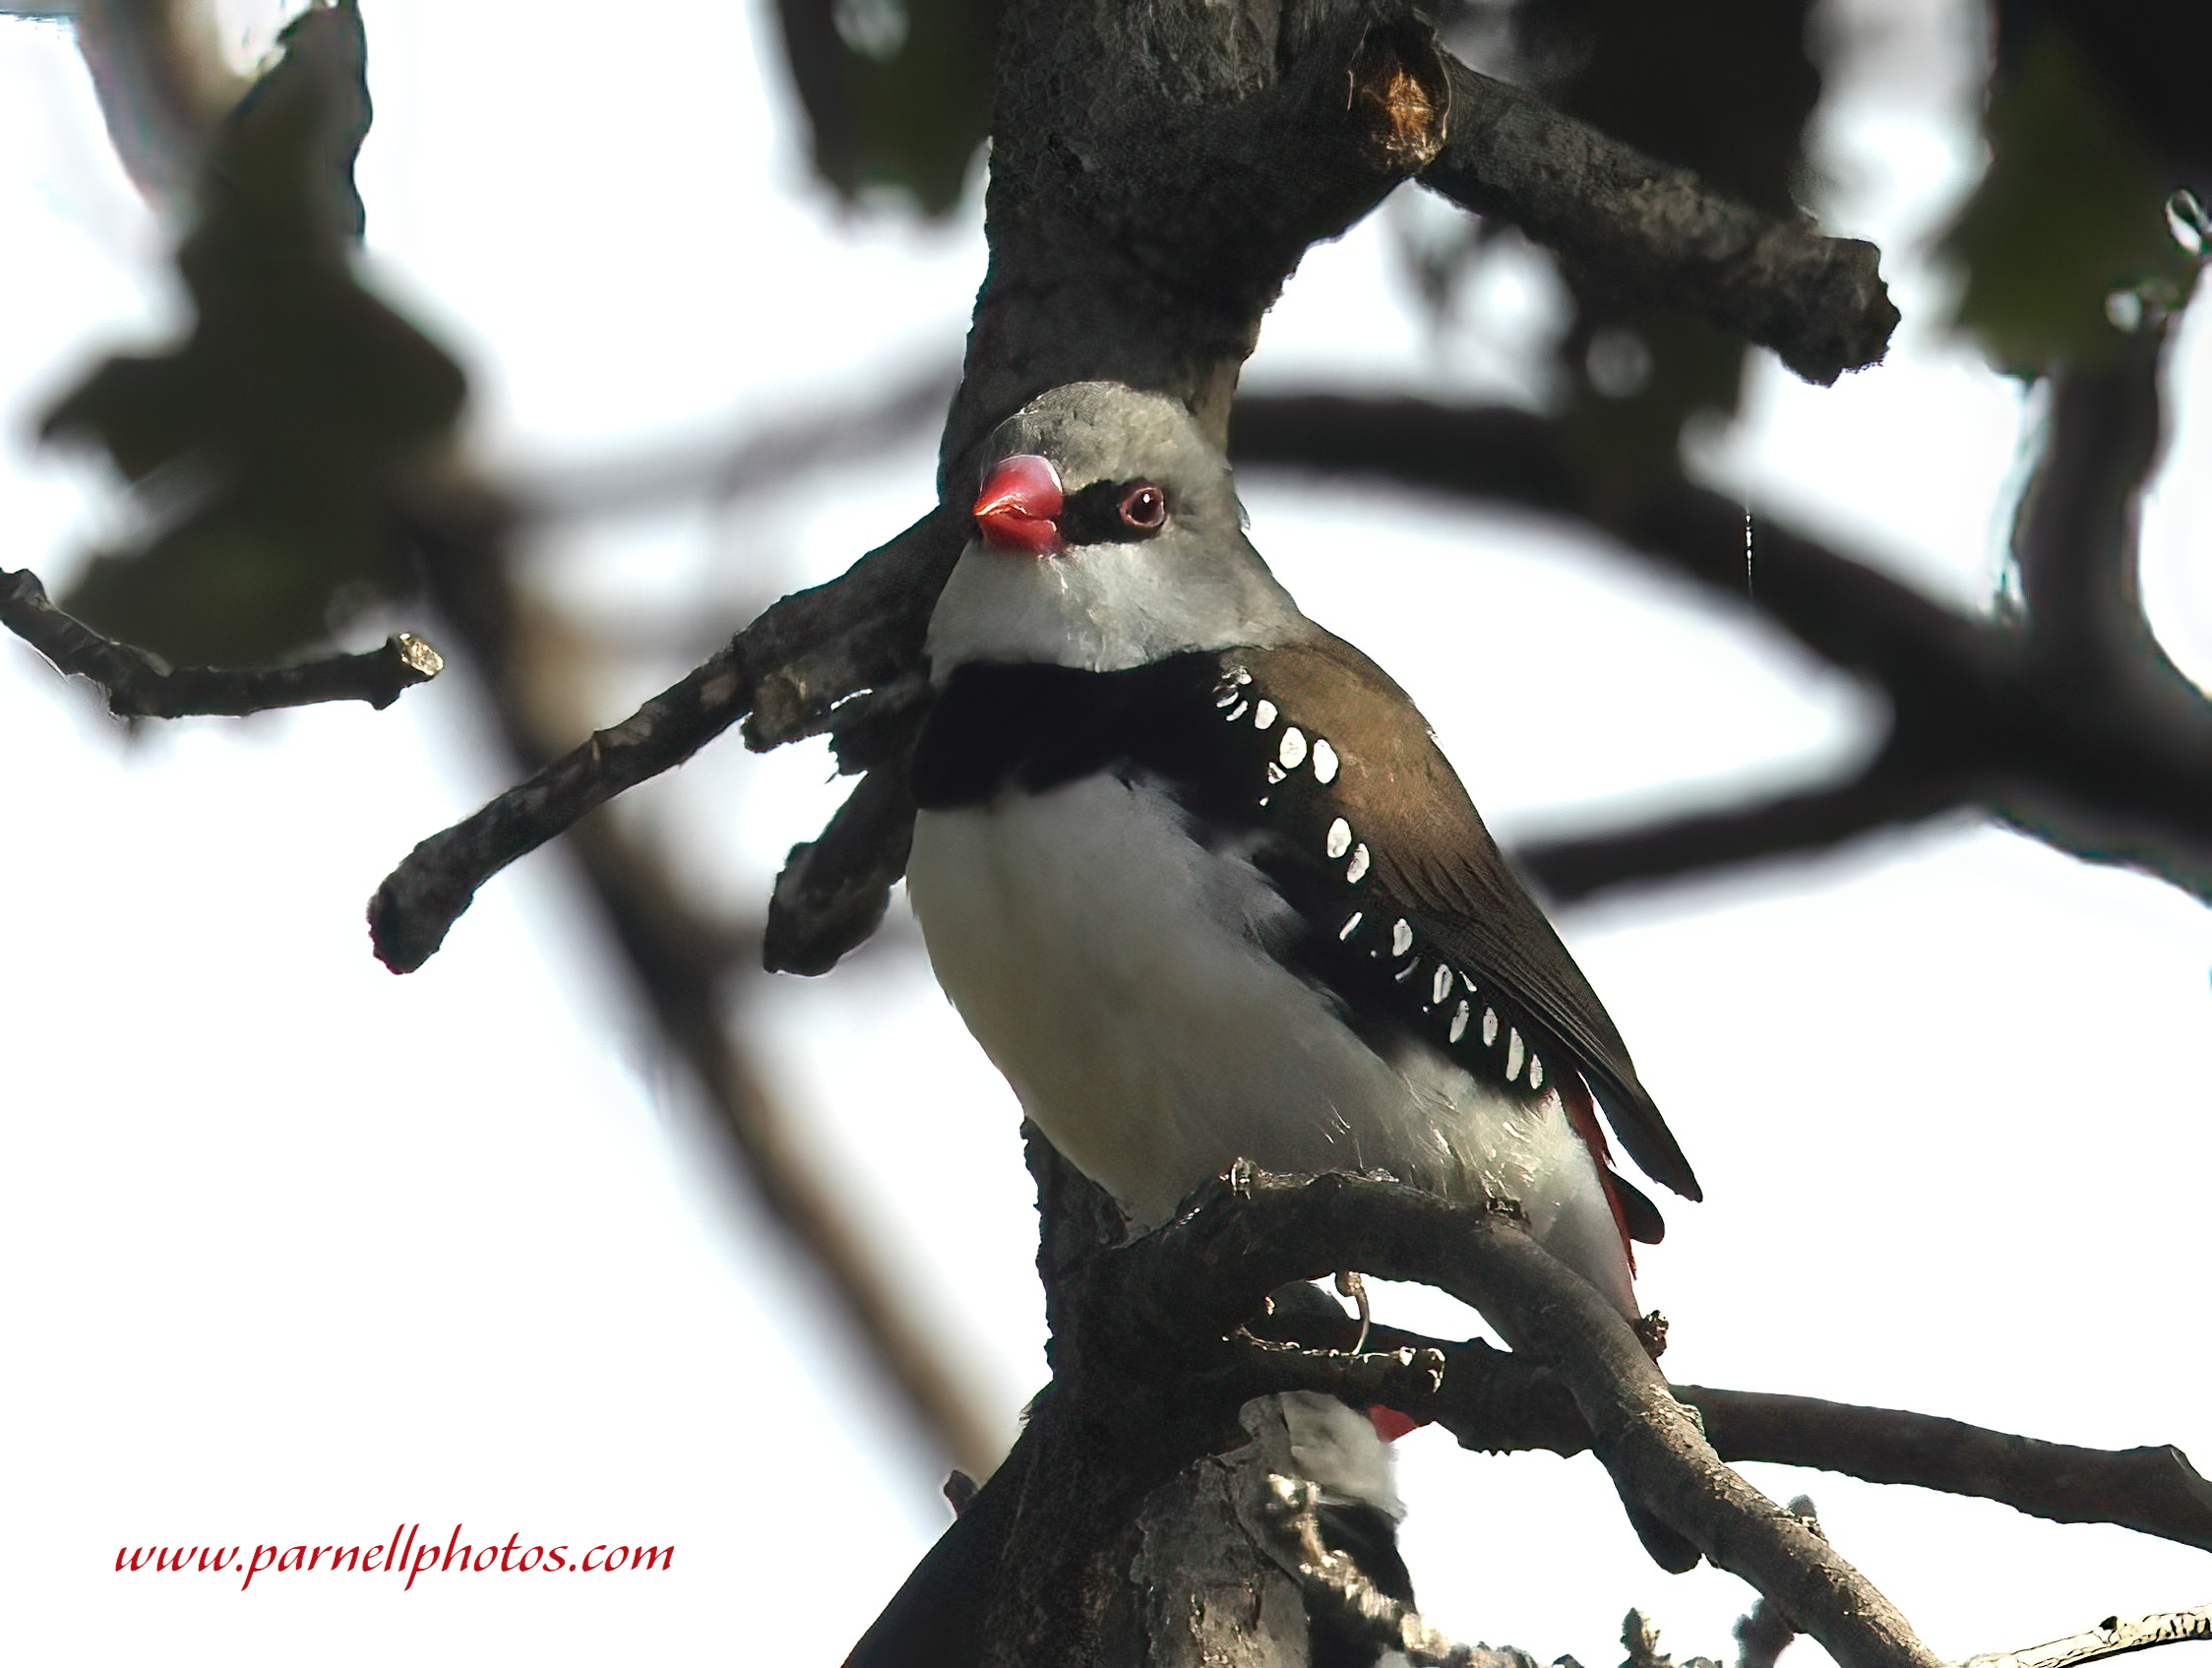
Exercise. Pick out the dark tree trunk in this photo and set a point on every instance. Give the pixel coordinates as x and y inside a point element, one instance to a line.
<point>1157,169</point>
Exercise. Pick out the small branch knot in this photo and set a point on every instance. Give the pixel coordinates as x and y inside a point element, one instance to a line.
<point>417,656</point>
<point>1396,82</point>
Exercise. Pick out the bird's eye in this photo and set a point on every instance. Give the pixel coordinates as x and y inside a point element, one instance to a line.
<point>1144,508</point>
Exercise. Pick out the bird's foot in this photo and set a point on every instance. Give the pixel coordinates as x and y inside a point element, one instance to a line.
<point>1510,1208</point>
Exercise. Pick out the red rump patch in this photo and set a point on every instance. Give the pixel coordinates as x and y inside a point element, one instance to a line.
<point>1389,1424</point>
<point>1582,1115</point>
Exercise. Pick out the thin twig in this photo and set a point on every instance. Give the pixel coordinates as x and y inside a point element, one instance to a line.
<point>419,901</point>
<point>2110,1637</point>
<point>1409,1379</point>
<point>140,685</point>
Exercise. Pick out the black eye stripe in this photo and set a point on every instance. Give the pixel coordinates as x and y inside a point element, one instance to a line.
<point>1094,516</point>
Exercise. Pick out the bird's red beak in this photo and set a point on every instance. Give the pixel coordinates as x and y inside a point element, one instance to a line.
<point>1017,508</point>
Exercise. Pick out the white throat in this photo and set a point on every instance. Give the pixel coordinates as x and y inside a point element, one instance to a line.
<point>1106,607</point>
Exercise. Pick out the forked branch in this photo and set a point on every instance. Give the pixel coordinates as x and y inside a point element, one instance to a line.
<point>1255,1232</point>
<point>1501,1403</point>
<point>784,673</point>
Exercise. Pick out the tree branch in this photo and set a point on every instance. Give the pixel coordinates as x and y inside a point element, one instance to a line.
<point>1360,108</point>
<point>1890,792</point>
<point>1653,231</point>
<point>1253,1232</point>
<point>2152,1490</point>
<point>1500,1402</point>
<point>1763,1632</point>
<point>1334,1585</point>
<point>836,888</point>
<point>784,673</point>
<point>140,685</point>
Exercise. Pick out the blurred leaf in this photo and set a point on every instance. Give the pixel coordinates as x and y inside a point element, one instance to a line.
<point>2152,61</point>
<point>274,430</point>
<point>1723,88</point>
<point>2072,210</point>
<point>898,93</point>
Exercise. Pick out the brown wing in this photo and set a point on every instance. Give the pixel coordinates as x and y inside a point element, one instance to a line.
<point>1431,861</point>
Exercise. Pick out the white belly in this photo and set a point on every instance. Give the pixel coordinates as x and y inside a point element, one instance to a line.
<point>1117,972</point>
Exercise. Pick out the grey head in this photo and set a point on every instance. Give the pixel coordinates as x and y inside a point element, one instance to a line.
<point>1107,534</point>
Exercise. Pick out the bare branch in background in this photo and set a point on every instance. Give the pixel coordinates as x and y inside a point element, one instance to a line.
<point>1895,791</point>
<point>774,457</point>
<point>1660,232</point>
<point>2063,720</point>
<point>163,83</point>
<point>139,685</point>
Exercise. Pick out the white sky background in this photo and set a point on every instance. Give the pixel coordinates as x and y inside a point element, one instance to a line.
<point>297,1250</point>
